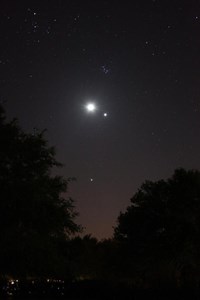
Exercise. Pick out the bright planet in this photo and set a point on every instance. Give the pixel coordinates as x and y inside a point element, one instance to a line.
<point>91,107</point>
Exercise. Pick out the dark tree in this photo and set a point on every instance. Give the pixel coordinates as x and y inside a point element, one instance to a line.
<point>160,230</point>
<point>84,257</point>
<point>36,217</point>
<point>94,260</point>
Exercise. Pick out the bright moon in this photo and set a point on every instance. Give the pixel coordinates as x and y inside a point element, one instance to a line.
<point>91,107</point>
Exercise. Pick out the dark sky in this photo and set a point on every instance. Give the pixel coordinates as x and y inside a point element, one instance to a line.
<point>139,61</point>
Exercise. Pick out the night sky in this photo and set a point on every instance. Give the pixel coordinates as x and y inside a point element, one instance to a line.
<point>138,61</point>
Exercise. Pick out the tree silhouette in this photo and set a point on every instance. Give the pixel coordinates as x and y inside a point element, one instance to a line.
<point>36,217</point>
<point>160,229</point>
<point>84,257</point>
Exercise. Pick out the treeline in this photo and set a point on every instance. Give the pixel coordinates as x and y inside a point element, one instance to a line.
<point>156,241</point>
<point>155,244</point>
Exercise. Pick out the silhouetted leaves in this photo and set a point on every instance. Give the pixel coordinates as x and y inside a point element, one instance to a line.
<point>35,214</point>
<point>161,227</point>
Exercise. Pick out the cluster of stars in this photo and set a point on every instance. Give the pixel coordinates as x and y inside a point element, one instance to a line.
<point>105,69</point>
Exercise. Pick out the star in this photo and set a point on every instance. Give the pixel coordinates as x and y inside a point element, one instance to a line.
<point>105,115</point>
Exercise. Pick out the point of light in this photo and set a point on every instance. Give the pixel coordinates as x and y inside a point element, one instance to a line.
<point>91,107</point>
<point>105,114</point>
<point>91,179</point>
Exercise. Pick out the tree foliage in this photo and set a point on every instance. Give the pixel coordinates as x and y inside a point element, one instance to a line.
<point>161,227</point>
<point>35,214</point>
<point>94,260</point>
